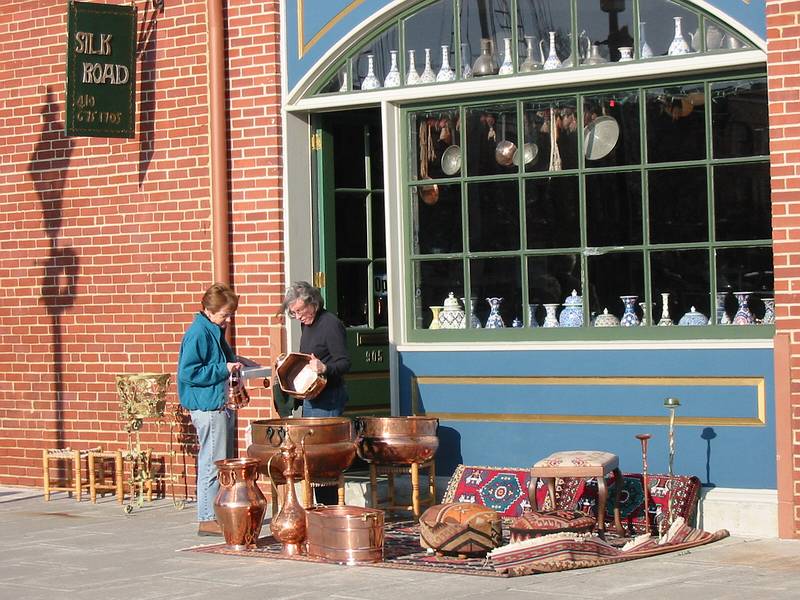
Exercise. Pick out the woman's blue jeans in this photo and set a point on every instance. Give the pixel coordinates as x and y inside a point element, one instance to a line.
<point>216,435</point>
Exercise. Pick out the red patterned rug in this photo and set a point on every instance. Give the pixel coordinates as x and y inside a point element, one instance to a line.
<point>546,554</point>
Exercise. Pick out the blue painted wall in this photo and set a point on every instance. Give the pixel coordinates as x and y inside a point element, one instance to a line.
<point>725,456</point>
<point>315,15</point>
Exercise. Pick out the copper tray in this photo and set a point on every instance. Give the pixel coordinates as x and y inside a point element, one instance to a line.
<point>345,534</point>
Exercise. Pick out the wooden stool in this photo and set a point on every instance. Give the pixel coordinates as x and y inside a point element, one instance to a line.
<point>73,482</point>
<point>413,469</point>
<point>308,497</point>
<point>581,463</point>
<point>97,467</point>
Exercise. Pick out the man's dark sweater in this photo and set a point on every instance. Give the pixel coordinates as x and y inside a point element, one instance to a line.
<point>325,339</point>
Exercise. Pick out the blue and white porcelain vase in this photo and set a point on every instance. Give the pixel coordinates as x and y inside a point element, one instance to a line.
<point>427,75</point>
<point>629,317</point>
<point>412,77</point>
<point>516,323</point>
<point>452,315</point>
<point>645,51</point>
<point>721,314</point>
<point>606,319</point>
<point>550,319</point>
<point>495,321</point>
<point>552,61</point>
<point>370,81</point>
<point>693,318</point>
<point>769,311</point>
<point>532,308</point>
<point>392,78</point>
<point>678,45</point>
<point>469,303</point>
<point>572,315</point>
<point>665,320</point>
<point>743,316</point>
<point>445,72</point>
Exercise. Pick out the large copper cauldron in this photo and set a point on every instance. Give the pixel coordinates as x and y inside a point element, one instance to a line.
<point>326,442</point>
<point>397,440</point>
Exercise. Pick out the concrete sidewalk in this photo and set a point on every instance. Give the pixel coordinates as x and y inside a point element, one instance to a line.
<point>63,548</point>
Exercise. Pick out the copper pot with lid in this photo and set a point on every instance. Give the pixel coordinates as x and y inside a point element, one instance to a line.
<point>327,443</point>
<point>397,440</point>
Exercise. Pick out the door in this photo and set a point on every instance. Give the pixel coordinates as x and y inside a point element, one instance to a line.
<point>352,248</point>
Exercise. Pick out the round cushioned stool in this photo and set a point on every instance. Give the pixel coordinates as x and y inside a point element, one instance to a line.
<point>534,524</point>
<point>460,528</point>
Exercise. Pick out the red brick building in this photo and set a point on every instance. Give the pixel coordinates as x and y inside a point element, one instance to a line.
<point>107,244</point>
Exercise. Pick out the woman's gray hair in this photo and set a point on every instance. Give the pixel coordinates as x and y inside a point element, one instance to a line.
<point>302,290</point>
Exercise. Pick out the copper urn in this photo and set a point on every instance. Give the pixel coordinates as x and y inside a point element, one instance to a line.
<point>397,440</point>
<point>327,443</point>
<point>239,505</point>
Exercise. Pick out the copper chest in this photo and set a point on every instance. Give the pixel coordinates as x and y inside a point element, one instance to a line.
<point>345,534</point>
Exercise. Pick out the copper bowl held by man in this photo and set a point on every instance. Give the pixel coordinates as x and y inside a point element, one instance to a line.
<point>397,440</point>
<point>326,442</point>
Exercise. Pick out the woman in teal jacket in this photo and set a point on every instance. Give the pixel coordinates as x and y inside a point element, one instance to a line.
<point>204,365</point>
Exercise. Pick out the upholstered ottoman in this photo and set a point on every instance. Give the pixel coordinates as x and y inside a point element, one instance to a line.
<point>534,524</point>
<point>460,528</point>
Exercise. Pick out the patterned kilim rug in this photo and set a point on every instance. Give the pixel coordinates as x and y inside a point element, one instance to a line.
<point>402,551</point>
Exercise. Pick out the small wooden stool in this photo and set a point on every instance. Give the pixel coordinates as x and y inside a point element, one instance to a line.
<point>73,482</point>
<point>308,496</point>
<point>413,469</point>
<point>581,463</point>
<point>97,467</point>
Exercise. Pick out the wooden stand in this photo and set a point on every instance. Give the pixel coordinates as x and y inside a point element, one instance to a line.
<point>413,469</point>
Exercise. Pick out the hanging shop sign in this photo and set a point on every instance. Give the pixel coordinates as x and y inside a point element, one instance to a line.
<point>101,70</point>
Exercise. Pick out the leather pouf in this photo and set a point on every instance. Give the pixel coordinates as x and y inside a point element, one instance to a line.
<point>534,524</point>
<point>460,528</point>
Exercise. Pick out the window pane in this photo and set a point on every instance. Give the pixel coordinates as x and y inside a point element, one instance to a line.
<point>547,121</point>
<point>347,132</point>
<point>739,118</point>
<point>335,83</point>
<point>746,270</point>
<point>380,291</point>
<point>551,280</point>
<point>493,216</point>
<point>742,205</point>
<point>375,155</point>
<point>353,288</point>
<point>608,24</point>
<point>485,20</point>
<point>351,225</point>
<point>431,28</point>
<point>658,17</point>
<point>497,277</point>
<point>379,49</point>
<point>538,18</point>
<point>435,279</point>
<point>552,212</point>
<point>678,205</point>
<point>612,129</point>
<point>432,134</point>
<point>437,218</point>
<point>684,274</point>
<point>491,140</point>
<point>614,275</point>
<point>614,209</point>
<point>676,126</point>
<point>378,226</point>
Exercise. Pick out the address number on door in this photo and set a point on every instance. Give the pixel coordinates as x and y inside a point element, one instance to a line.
<point>373,356</point>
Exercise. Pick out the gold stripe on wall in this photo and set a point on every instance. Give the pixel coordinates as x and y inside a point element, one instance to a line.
<point>758,382</point>
<point>302,47</point>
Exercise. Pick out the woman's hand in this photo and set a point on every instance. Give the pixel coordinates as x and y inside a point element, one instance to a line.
<point>317,365</point>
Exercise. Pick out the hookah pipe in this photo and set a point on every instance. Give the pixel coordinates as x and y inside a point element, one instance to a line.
<point>643,437</point>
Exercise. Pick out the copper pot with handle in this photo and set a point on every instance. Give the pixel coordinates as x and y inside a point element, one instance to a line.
<point>326,442</point>
<point>397,440</point>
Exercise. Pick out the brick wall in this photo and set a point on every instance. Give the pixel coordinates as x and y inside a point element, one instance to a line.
<point>783,33</point>
<point>105,246</point>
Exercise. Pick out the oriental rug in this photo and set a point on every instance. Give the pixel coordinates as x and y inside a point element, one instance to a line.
<point>551,553</point>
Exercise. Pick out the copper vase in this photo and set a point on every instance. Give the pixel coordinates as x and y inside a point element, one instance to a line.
<point>289,525</point>
<point>239,505</point>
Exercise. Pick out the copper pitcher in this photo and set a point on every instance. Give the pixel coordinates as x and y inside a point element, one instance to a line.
<point>239,505</point>
<point>289,525</point>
